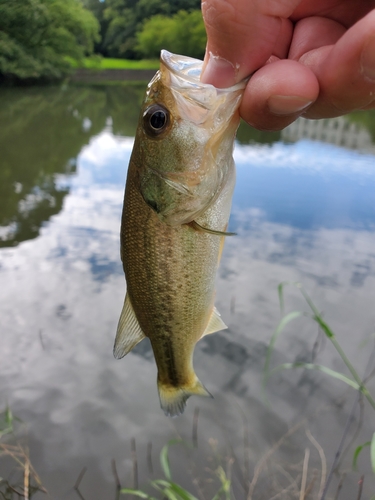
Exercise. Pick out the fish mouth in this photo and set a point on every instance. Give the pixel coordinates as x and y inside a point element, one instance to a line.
<point>199,102</point>
<point>184,66</point>
<point>190,69</point>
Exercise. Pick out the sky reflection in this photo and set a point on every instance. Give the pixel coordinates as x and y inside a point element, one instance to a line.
<point>307,184</point>
<point>303,212</point>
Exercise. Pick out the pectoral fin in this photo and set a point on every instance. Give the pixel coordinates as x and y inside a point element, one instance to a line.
<point>215,323</point>
<point>181,188</point>
<point>129,333</point>
<point>194,224</point>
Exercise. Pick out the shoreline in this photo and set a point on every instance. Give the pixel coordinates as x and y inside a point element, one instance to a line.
<point>83,75</point>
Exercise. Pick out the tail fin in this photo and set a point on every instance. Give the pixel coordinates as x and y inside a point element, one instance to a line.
<point>173,399</point>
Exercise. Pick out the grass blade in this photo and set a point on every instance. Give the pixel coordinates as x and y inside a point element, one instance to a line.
<point>323,325</point>
<point>324,369</point>
<point>357,452</point>
<point>317,317</point>
<point>172,490</point>
<point>280,291</point>
<point>164,458</point>
<point>137,493</point>
<point>372,453</point>
<point>164,461</point>
<point>280,327</point>
<point>6,422</point>
<point>164,487</point>
<point>226,485</point>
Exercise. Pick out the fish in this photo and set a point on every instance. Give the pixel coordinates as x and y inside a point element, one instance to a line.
<point>177,203</point>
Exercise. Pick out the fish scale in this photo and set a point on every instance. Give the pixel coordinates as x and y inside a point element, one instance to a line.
<point>163,267</point>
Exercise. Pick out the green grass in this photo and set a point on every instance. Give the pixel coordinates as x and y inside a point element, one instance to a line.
<point>170,490</point>
<point>354,381</point>
<point>25,481</point>
<point>103,63</point>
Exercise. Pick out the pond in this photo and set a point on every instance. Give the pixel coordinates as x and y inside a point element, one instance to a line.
<point>303,211</point>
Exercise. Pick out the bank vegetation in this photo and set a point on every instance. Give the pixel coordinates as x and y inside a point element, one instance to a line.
<point>47,39</point>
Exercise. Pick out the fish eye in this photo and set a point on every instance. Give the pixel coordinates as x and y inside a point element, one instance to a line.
<point>155,120</point>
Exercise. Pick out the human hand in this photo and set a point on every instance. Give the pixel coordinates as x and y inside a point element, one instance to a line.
<point>314,58</point>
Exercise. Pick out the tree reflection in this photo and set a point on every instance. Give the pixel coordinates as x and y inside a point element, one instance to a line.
<point>43,131</point>
<point>250,135</point>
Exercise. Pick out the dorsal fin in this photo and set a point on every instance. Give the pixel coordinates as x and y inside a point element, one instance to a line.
<point>215,323</point>
<point>129,333</point>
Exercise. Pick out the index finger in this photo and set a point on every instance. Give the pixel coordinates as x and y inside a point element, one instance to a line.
<point>242,35</point>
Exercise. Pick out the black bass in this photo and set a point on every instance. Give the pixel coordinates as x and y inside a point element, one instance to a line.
<point>176,208</point>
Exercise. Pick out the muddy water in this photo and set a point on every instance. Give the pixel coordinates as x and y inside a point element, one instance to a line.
<point>303,210</point>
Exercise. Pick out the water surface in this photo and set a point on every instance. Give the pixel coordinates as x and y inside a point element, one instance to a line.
<point>304,211</point>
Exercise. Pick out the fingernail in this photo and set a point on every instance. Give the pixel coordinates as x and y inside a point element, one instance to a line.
<point>368,59</point>
<point>218,72</point>
<point>287,105</point>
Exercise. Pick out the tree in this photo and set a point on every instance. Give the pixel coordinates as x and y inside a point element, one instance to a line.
<point>126,17</point>
<point>183,33</point>
<point>36,35</point>
<point>97,7</point>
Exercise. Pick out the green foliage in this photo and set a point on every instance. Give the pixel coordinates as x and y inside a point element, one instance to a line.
<point>6,422</point>
<point>366,118</point>
<point>97,7</point>
<point>28,482</point>
<point>355,382</point>
<point>164,461</point>
<point>98,63</point>
<point>183,33</point>
<point>320,368</point>
<point>125,19</point>
<point>35,35</point>
<point>249,135</point>
<point>173,491</point>
<point>358,450</point>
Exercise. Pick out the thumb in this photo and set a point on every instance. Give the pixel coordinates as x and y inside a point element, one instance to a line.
<point>242,35</point>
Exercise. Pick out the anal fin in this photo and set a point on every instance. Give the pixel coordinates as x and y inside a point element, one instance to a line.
<point>129,333</point>
<point>215,323</point>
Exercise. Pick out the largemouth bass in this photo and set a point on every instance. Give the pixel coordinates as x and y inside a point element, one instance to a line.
<point>176,209</point>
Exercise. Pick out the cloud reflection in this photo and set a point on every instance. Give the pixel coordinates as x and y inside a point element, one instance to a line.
<point>62,293</point>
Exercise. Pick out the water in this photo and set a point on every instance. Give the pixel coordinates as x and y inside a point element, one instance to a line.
<point>304,211</point>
